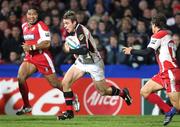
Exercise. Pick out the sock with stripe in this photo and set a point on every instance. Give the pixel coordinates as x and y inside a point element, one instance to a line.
<point>69,99</point>
<point>117,92</point>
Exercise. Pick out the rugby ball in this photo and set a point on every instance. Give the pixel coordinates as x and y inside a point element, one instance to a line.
<point>72,42</point>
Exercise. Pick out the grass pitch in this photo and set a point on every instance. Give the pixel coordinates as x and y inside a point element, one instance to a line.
<point>86,121</point>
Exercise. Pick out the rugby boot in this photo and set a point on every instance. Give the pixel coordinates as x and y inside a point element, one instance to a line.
<point>127,96</point>
<point>66,115</point>
<point>24,110</point>
<point>168,116</point>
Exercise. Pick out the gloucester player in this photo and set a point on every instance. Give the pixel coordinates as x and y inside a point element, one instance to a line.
<point>89,61</point>
<point>37,57</point>
<point>169,75</point>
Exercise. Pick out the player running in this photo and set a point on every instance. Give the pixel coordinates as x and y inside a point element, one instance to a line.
<point>89,61</point>
<point>169,75</point>
<point>37,57</point>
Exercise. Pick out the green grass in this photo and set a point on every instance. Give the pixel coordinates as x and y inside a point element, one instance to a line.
<point>86,121</point>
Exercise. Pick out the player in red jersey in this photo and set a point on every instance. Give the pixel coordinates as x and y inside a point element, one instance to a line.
<point>88,60</point>
<point>37,56</point>
<point>169,75</point>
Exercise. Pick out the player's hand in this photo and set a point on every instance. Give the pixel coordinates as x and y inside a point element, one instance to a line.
<point>66,48</point>
<point>26,47</point>
<point>127,50</point>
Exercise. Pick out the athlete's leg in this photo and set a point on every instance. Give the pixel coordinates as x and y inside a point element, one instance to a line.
<point>104,89</point>
<point>147,91</point>
<point>70,77</point>
<point>54,81</point>
<point>175,99</point>
<point>173,90</point>
<point>97,73</point>
<point>25,70</point>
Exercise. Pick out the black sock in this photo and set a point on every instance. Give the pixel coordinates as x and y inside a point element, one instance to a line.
<point>69,98</point>
<point>117,92</point>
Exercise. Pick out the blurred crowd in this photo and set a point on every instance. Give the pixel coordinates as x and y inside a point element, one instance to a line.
<point>113,23</point>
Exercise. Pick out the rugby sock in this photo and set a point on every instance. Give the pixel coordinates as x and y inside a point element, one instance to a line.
<point>69,98</point>
<point>23,88</point>
<point>63,107</point>
<point>118,92</point>
<point>155,99</point>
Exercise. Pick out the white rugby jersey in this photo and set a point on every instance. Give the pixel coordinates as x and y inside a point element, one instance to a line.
<point>165,49</point>
<point>85,38</point>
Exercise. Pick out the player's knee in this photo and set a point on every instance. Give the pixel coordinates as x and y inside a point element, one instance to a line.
<point>143,92</point>
<point>21,79</point>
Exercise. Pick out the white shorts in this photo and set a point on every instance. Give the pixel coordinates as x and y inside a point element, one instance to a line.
<point>96,70</point>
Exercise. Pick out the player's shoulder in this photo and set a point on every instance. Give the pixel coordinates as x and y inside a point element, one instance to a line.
<point>81,32</point>
<point>80,27</point>
<point>24,24</point>
<point>160,34</point>
<point>43,25</point>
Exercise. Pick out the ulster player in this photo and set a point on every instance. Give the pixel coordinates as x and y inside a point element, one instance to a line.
<point>37,56</point>
<point>89,61</point>
<point>169,75</point>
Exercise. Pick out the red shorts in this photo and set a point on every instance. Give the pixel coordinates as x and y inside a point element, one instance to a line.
<point>42,61</point>
<point>170,80</point>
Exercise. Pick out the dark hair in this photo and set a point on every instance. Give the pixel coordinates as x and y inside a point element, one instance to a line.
<point>159,20</point>
<point>33,7</point>
<point>70,15</point>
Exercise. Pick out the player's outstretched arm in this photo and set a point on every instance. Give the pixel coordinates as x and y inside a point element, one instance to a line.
<point>143,52</point>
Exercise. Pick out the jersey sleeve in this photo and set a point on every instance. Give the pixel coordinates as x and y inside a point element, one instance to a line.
<point>154,43</point>
<point>43,32</point>
<point>81,36</point>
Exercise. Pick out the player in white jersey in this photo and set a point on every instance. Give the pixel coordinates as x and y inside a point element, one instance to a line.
<point>169,75</point>
<point>89,61</point>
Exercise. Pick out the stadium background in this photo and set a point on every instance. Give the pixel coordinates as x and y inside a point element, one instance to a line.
<point>114,24</point>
